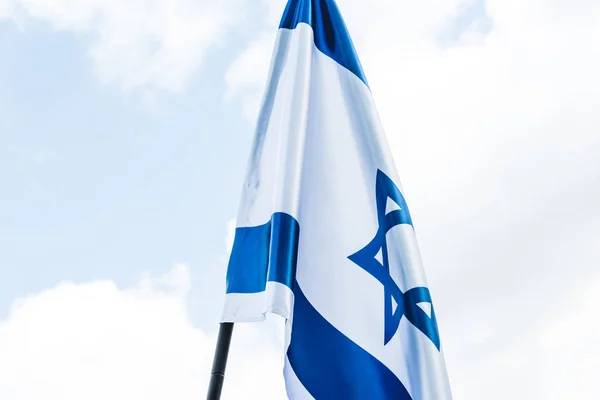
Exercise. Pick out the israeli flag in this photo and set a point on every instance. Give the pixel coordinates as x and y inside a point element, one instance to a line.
<point>324,236</point>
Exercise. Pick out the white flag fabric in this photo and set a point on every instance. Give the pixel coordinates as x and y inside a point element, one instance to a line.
<point>324,236</point>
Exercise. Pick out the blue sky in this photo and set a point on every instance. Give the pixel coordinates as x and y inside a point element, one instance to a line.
<point>124,135</point>
<point>98,183</point>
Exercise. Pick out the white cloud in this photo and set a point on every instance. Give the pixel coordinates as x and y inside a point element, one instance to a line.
<point>4,9</point>
<point>142,44</point>
<point>247,76</point>
<point>230,235</point>
<point>97,341</point>
<point>490,110</point>
<point>559,360</point>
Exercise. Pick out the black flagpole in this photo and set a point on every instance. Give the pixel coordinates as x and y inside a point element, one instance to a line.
<point>220,361</point>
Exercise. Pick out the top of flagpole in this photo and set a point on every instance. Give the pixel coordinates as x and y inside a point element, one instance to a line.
<point>330,32</point>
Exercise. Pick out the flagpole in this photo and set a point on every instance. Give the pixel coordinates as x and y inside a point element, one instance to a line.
<point>220,361</point>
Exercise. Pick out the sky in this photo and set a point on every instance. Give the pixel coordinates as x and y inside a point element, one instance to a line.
<point>124,134</point>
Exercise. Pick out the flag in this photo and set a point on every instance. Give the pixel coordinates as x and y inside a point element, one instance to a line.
<point>324,236</point>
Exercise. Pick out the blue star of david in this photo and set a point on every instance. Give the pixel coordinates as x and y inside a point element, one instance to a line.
<point>407,303</point>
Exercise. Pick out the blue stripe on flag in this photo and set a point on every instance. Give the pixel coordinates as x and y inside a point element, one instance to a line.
<point>331,35</point>
<point>264,253</point>
<point>330,365</point>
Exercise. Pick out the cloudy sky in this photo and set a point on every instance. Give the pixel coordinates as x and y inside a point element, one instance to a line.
<point>124,133</point>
